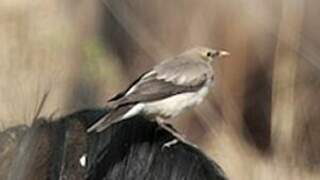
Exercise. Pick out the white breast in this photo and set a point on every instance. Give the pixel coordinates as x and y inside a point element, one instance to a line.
<point>172,106</point>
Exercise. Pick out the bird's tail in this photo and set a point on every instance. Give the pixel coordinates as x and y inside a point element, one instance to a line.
<point>113,117</point>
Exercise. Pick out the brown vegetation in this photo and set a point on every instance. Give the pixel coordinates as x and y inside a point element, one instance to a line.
<point>261,120</point>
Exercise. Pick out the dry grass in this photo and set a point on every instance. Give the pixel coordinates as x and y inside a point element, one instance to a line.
<point>262,118</point>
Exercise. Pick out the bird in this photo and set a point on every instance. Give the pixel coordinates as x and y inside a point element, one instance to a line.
<point>176,84</point>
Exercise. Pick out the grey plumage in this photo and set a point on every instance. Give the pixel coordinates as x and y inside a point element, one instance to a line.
<point>189,74</point>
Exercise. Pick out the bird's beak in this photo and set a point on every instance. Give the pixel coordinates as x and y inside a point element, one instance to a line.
<point>223,53</point>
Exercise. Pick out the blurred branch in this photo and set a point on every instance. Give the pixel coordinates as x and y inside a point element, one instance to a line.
<point>135,28</point>
<point>283,102</point>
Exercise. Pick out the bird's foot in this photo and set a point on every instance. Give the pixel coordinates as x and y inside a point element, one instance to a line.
<point>177,136</point>
<point>176,141</point>
<point>169,143</point>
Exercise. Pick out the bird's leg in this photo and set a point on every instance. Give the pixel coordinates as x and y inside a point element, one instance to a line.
<point>176,134</point>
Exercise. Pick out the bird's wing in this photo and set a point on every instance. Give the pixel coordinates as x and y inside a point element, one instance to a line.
<point>167,79</point>
<point>112,117</point>
<point>184,71</point>
<point>164,80</point>
<point>124,92</point>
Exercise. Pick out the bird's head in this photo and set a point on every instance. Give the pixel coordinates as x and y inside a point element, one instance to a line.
<point>207,54</point>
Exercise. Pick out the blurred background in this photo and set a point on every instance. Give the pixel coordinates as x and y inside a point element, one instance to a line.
<point>260,121</point>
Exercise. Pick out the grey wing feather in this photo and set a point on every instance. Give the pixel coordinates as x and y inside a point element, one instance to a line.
<point>184,71</point>
<point>155,89</point>
<point>150,90</point>
<point>165,80</point>
<point>168,78</point>
<point>112,118</point>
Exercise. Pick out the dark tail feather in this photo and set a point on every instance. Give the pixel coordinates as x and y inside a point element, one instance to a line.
<point>111,118</point>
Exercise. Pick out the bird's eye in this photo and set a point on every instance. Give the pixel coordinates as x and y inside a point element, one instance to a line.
<point>209,54</point>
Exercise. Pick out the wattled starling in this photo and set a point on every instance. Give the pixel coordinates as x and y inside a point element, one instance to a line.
<point>166,90</point>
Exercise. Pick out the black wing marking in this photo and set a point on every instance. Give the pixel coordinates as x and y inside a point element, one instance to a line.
<point>113,117</point>
<point>152,89</point>
<point>122,93</point>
